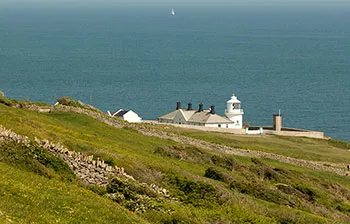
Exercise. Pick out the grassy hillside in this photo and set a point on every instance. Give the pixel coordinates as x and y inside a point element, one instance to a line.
<point>29,198</point>
<point>205,186</point>
<point>330,150</point>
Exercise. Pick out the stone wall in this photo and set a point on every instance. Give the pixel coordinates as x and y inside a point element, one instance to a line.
<point>85,167</point>
<point>309,134</point>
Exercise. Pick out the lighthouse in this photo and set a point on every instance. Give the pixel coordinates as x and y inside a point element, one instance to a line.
<point>234,112</point>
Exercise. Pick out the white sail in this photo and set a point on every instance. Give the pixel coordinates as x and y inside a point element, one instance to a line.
<point>173,12</point>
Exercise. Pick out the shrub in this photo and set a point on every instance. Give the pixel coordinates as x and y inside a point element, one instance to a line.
<point>225,162</point>
<point>197,193</point>
<point>265,171</point>
<point>343,207</point>
<point>258,190</point>
<point>35,159</point>
<point>132,195</point>
<point>189,153</point>
<point>214,174</point>
<point>309,192</point>
<point>73,103</point>
<point>6,101</point>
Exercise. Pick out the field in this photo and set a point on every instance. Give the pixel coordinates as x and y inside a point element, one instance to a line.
<point>205,186</point>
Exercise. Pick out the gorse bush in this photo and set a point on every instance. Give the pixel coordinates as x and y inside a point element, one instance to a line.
<point>67,101</point>
<point>189,153</point>
<point>212,173</point>
<point>225,162</point>
<point>19,103</point>
<point>132,195</point>
<point>35,159</point>
<point>196,193</point>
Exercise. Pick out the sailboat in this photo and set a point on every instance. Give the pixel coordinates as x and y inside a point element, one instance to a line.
<point>172,12</point>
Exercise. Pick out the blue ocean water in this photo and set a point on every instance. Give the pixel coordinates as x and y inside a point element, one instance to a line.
<point>144,59</point>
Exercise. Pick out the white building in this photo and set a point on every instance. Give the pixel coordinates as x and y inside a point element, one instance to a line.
<point>207,118</point>
<point>128,115</point>
<point>234,112</point>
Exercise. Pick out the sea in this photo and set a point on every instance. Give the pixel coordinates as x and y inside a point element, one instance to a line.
<point>140,57</point>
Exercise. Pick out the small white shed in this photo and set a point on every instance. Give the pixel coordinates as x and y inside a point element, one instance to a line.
<point>127,115</point>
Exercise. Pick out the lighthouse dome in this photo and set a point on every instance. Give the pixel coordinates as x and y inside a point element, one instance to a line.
<point>233,99</point>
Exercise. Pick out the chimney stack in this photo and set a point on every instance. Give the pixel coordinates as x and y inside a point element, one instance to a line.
<point>277,122</point>
<point>200,109</point>
<point>189,106</point>
<point>178,106</point>
<point>212,109</point>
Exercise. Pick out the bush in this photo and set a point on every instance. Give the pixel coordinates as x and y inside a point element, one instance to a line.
<point>343,207</point>
<point>265,171</point>
<point>309,192</point>
<point>225,162</point>
<point>67,101</point>
<point>132,195</point>
<point>196,193</point>
<point>214,174</point>
<point>35,159</point>
<point>188,153</point>
<point>260,191</point>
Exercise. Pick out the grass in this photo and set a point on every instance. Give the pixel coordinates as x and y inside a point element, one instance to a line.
<point>28,198</point>
<point>208,187</point>
<point>331,150</point>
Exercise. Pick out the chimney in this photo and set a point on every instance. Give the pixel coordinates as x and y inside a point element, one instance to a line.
<point>178,106</point>
<point>189,106</point>
<point>277,122</point>
<point>212,109</point>
<point>200,109</point>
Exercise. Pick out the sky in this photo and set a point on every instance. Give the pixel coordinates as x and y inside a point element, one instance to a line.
<point>181,2</point>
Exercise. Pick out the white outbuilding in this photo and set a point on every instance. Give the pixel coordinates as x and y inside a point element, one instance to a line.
<point>127,115</point>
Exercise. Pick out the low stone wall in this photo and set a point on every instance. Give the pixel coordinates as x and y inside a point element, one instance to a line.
<point>85,167</point>
<point>309,134</point>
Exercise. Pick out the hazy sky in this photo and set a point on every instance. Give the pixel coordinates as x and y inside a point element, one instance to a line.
<point>183,2</point>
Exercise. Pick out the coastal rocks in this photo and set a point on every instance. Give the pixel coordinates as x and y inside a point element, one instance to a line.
<point>2,94</point>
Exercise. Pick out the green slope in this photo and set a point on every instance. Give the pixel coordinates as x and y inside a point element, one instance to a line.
<point>206,186</point>
<point>28,198</point>
<point>330,150</point>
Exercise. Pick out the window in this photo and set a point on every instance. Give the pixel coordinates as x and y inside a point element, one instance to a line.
<point>219,125</point>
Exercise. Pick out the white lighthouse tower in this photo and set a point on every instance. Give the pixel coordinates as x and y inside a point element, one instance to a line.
<point>234,112</point>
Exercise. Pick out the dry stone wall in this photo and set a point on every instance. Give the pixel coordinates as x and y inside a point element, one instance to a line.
<point>86,167</point>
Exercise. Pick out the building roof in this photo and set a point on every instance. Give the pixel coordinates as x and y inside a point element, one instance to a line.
<point>194,116</point>
<point>169,116</point>
<point>205,117</point>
